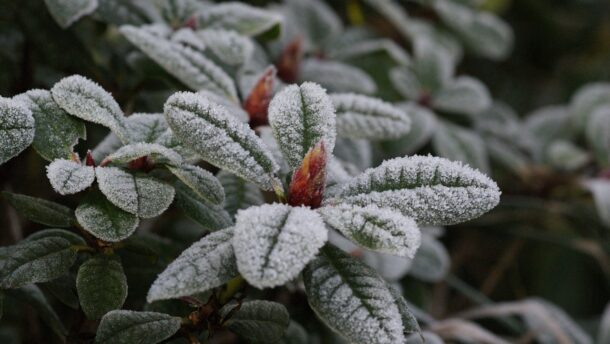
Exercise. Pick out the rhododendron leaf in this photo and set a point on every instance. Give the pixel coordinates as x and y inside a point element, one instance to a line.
<point>69,177</point>
<point>127,327</point>
<point>336,76</point>
<point>315,20</point>
<point>257,102</point>
<point>121,12</point>
<point>72,237</point>
<point>371,47</point>
<point>202,182</point>
<point>104,220</point>
<point>211,217</point>
<point>431,262</point>
<point>239,194</point>
<point>423,123</point>
<point>456,143</point>
<point>586,100</point>
<point>228,47</point>
<point>101,285</point>
<point>309,179</point>
<point>17,128</point>
<point>242,18</point>
<point>232,106</point>
<point>258,321</point>
<point>40,210</point>
<point>464,95</point>
<point>67,12</point>
<point>156,152</point>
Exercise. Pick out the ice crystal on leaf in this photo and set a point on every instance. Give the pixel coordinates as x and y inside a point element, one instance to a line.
<point>230,105</point>
<point>128,327</point>
<point>228,47</point>
<point>242,18</point>
<point>17,128</point>
<point>337,76</point>
<point>69,177</point>
<point>273,242</point>
<point>157,152</point>
<point>202,182</point>
<point>104,220</point>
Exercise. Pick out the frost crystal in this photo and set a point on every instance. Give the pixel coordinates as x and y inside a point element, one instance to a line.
<point>378,229</point>
<point>231,106</point>
<point>337,76</point>
<point>229,47</point>
<point>365,117</point>
<point>157,152</point>
<point>273,242</point>
<point>69,177</point>
<point>219,138</point>
<point>85,99</point>
<point>239,194</point>
<point>104,220</point>
<point>432,190</point>
<point>202,182</point>
<point>244,19</point>
<point>136,194</point>
<point>146,127</point>
<point>66,12</point>
<point>300,117</point>
<point>16,128</point>
<point>207,264</point>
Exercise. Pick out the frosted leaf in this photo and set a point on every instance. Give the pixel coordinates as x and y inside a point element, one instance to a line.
<point>169,140</point>
<point>405,81</point>
<point>598,134</point>
<point>356,152</point>
<point>432,65</point>
<point>156,152</point>
<point>228,47</point>
<point>464,95</point>
<point>188,65</point>
<point>233,107</point>
<point>72,237</point>
<point>239,194</point>
<point>101,285</point>
<point>137,194</point>
<point>423,123</point>
<point>107,146</point>
<point>85,99</point>
<point>202,182</point>
<point>546,125</point>
<point>353,300</point>
<point>219,138</point>
<point>188,37</point>
<point>207,264</point>
<point>56,131</point>
<point>337,172</point>
<point>432,261</point>
<point>300,117</point>
<point>128,327</point>
<point>17,128</point>
<point>456,143</point>
<point>600,188</point>
<point>178,13</point>
<point>242,18</point>
<point>211,217</point>
<point>274,242</point>
<point>565,155</point>
<point>146,127</point>
<point>336,76</point>
<point>40,210</point>
<point>366,117</point>
<point>266,135</point>
<point>372,47</point>
<point>66,12</point>
<point>314,19</point>
<point>258,321</point>
<point>507,155</point>
<point>69,177</point>
<point>586,100</point>
<point>434,191</point>
<point>104,220</point>
<point>121,12</point>
<point>377,229</point>
<point>428,338</point>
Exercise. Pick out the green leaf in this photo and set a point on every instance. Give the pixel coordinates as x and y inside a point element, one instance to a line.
<point>431,262</point>
<point>67,12</point>
<point>33,296</point>
<point>600,188</point>
<point>564,155</point>
<point>353,300</point>
<point>146,127</point>
<point>202,182</point>
<point>546,125</point>
<point>72,237</point>
<point>128,327</point>
<point>336,76</point>
<point>64,290</point>
<point>212,217</point>
<point>17,128</point>
<point>244,19</point>
<point>41,211</point>
<point>464,95</point>
<point>257,321</point>
<point>423,123</point>
<point>433,65</point>
<point>157,152</point>
<point>315,20</point>
<point>380,49</point>
<point>228,47</point>
<point>295,334</point>
<point>586,100</point>
<point>207,264</point>
<point>121,12</point>
<point>69,177</point>
<point>239,194</point>
<point>410,325</point>
<point>104,220</point>
<point>35,261</point>
<point>56,131</point>
<point>456,143</point>
<point>598,134</point>
<point>101,285</point>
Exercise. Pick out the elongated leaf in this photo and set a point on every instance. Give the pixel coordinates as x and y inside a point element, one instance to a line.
<point>464,95</point>
<point>273,242</point>
<point>232,106</point>
<point>353,300</point>
<point>128,327</point>
<point>228,47</point>
<point>72,237</point>
<point>371,47</point>
<point>34,297</point>
<point>242,18</point>
<point>41,211</point>
<point>431,190</point>
<point>202,182</point>
<point>586,100</point>
<point>69,177</point>
<point>598,134</point>
<point>101,286</point>
<point>431,262</point>
<point>456,143</point>
<point>156,152</point>
<point>212,217</point>
<point>371,118</point>
<point>56,131</point>
<point>302,116</point>
<point>104,220</point>
<point>336,76</point>
<point>219,138</point>
<point>67,12</point>
<point>16,128</point>
<point>137,194</point>
<point>240,194</point>
<point>207,264</point>
<point>258,321</point>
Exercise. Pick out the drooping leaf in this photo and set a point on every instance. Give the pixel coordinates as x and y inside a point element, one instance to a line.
<point>202,182</point>
<point>207,264</point>
<point>273,242</point>
<point>309,179</point>
<point>431,262</point>
<point>239,194</point>
<point>101,285</point>
<point>431,190</point>
<point>336,76</point>
<point>464,95</point>
<point>67,12</point>
<point>69,177</point>
<point>598,134</point>
<point>128,327</point>
<point>104,220</point>
<point>17,128</point>
<point>154,151</point>
<point>220,139</point>
<point>72,237</point>
<point>228,47</point>
<point>258,321</point>
<point>242,18</point>
<point>457,143</point>
<point>40,210</point>
<point>212,217</point>
<point>586,100</point>
<point>33,296</point>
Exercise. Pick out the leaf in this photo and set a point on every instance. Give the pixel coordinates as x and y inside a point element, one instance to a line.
<point>315,20</point>
<point>309,179</point>
<point>232,106</point>
<point>127,327</point>
<point>16,128</point>
<point>423,123</point>
<point>431,262</point>
<point>202,182</point>
<point>352,299</point>
<point>64,290</point>
<point>598,134</point>
<point>377,229</point>
<point>295,334</point>
<point>136,194</point>
<point>146,127</point>
<point>33,296</point>
<point>220,139</point>
<point>66,13</point>
<point>604,327</point>
<point>431,190</point>
<point>336,76</point>
<point>564,155</point>
<point>456,143</point>
<point>56,131</point>
<point>101,285</point>
<point>35,261</point>
<point>464,95</point>
<point>433,66</point>
<point>207,264</point>
<point>239,194</point>
<point>359,153</point>
<point>242,18</point>
<point>104,220</point>
<point>600,188</point>
<point>371,118</point>
<point>409,322</point>
<point>229,47</point>
<point>134,151</point>
<point>121,12</point>
<point>211,217</point>
<point>406,83</point>
<point>302,116</point>
<point>258,321</point>
<point>546,125</point>
<point>69,177</point>
<point>72,237</point>
<point>273,242</point>
<point>41,211</point>
<point>371,47</point>
<point>586,100</point>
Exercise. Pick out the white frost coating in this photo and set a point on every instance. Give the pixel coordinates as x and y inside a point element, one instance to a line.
<point>16,128</point>
<point>600,188</point>
<point>405,82</point>
<point>361,116</point>
<point>229,47</point>
<point>66,12</point>
<point>69,177</point>
<point>301,116</point>
<point>136,194</point>
<point>244,19</point>
<point>232,106</point>
<point>202,182</point>
<point>266,135</point>
<point>104,220</point>
<point>464,95</point>
<point>597,133</point>
<point>381,230</point>
<point>219,138</point>
<point>207,264</point>
<point>186,64</point>
<point>239,194</point>
<point>146,127</point>
<point>372,46</point>
<point>157,152</point>
<point>274,242</point>
<point>187,37</point>
<point>337,76</point>
<point>432,190</point>
<point>85,99</point>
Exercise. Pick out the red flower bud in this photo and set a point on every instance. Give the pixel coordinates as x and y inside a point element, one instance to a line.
<point>257,103</point>
<point>89,159</point>
<point>309,180</point>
